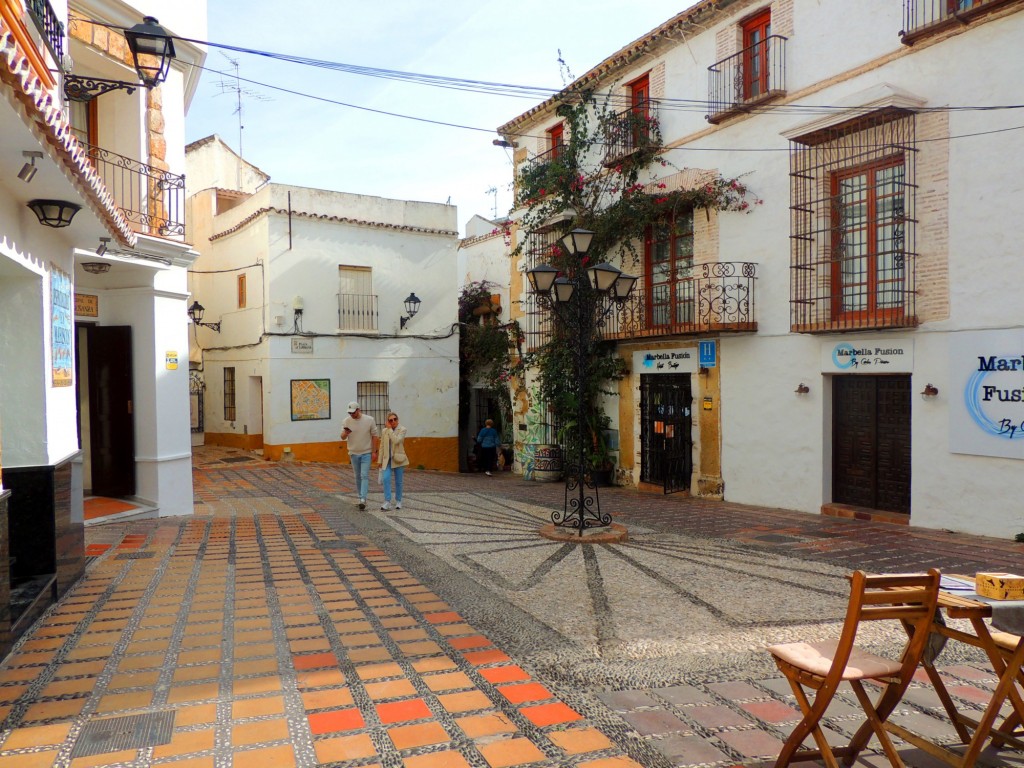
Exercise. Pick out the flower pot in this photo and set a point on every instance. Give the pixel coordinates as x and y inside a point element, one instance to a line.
<point>542,462</point>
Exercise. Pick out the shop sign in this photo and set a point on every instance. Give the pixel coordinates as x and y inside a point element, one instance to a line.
<point>87,305</point>
<point>987,400</point>
<point>60,327</point>
<point>679,360</point>
<point>875,356</point>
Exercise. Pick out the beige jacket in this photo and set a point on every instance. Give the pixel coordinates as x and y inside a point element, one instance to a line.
<point>392,447</point>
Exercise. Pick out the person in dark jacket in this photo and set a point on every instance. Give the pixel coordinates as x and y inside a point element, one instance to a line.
<point>488,440</point>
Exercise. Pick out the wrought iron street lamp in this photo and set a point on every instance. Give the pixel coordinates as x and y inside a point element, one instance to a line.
<point>580,300</point>
<point>152,49</point>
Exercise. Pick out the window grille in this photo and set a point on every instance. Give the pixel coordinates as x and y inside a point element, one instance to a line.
<point>373,400</point>
<point>853,223</point>
<point>357,305</point>
<point>229,394</point>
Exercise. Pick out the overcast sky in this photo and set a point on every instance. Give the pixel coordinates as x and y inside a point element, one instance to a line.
<point>313,143</point>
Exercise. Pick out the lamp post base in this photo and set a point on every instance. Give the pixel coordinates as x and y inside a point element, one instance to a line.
<point>607,534</point>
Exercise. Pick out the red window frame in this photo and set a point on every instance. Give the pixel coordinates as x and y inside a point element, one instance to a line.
<point>556,140</point>
<point>677,306</point>
<point>876,277</point>
<point>640,106</point>
<point>756,31</point>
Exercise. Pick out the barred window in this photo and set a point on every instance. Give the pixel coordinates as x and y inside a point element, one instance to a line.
<point>852,203</point>
<point>373,399</point>
<point>229,394</point>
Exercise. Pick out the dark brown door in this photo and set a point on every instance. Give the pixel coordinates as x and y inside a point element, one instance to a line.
<point>666,430</point>
<point>871,442</point>
<point>111,423</point>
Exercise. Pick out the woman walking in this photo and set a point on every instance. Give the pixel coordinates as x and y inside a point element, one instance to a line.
<point>393,460</point>
<point>489,440</point>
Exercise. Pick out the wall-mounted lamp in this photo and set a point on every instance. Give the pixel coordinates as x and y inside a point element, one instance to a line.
<point>929,391</point>
<point>103,246</point>
<point>152,51</point>
<point>412,306</point>
<point>96,267</point>
<point>802,389</point>
<point>195,312</point>
<point>54,213</point>
<point>703,370</point>
<point>28,170</point>
<point>503,143</point>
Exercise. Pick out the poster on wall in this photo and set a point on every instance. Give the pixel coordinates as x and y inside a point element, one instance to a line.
<point>311,399</point>
<point>986,404</point>
<point>60,327</point>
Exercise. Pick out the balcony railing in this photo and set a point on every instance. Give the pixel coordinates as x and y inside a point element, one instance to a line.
<point>357,312</point>
<point>746,79</point>
<point>629,131</point>
<point>924,17</point>
<point>718,298</point>
<point>151,199</point>
<point>50,27</point>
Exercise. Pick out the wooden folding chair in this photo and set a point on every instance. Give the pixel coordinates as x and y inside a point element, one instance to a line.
<point>822,666</point>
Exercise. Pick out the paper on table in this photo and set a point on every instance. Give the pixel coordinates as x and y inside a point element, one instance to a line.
<point>951,584</point>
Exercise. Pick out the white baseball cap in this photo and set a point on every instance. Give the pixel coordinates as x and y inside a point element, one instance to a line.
<point>353,407</point>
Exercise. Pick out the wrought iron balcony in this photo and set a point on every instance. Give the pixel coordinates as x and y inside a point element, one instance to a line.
<point>151,199</point>
<point>922,18</point>
<point>50,27</point>
<point>746,79</point>
<point>719,298</point>
<point>631,130</point>
<point>357,312</point>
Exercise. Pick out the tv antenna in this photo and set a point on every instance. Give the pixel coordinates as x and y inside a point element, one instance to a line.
<point>493,191</point>
<point>235,87</point>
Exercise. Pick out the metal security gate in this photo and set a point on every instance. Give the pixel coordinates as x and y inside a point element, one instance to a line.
<point>665,431</point>
<point>871,442</point>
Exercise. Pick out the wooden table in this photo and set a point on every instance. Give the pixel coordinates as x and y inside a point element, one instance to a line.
<point>957,606</point>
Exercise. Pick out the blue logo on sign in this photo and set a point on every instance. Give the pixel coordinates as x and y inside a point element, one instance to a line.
<point>999,393</point>
<point>844,356</point>
<point>706,353</point>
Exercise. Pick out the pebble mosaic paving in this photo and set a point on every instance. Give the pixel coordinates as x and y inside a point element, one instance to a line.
<point>280,626</point>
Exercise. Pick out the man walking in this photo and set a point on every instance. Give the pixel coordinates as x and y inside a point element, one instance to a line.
<point>360,432</point>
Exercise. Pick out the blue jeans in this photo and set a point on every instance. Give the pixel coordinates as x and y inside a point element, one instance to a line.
<point>386,479</point>
<point>361,468</point>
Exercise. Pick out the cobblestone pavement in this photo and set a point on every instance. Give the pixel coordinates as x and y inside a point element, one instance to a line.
<point>281,626</point>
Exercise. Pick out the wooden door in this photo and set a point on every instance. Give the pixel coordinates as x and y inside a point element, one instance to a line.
<point>871,442</point>
<point>111,420</point>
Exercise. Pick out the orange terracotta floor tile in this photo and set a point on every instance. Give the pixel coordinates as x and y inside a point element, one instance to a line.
<point>279,757</point>
<point>342,748</point>
<point>551,714</point>
<point>480,726</point>
<point>446,759</point>
<point>509,752</point>
<point>506,673</point>
<point>576,741</point>
<point>336,721</point>
<point>419,735</point>
<point>402,711</point>
<point>258,732</point>
<point>523,692</point>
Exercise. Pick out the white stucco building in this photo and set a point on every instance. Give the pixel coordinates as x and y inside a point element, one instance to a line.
<point>863,341</point>
<point>311,292</point>
<point>483,262</point>
<point>92,313</point>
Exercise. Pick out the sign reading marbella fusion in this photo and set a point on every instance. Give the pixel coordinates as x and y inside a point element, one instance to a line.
<point>679,360</point>
<point>875,356</point>
<point>987,408</point>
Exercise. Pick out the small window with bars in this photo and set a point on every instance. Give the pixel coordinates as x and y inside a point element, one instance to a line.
<point>373,400</point>
<point>229,394</point>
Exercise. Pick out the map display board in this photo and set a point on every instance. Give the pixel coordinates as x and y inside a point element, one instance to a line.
<point>311,399</point>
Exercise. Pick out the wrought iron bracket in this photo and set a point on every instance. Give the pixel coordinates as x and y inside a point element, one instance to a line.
<point>86,89</point>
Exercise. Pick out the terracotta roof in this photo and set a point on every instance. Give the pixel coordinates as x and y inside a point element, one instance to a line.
<point>324,217</point>
<point>622,58</point>
<point>45,117</point>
